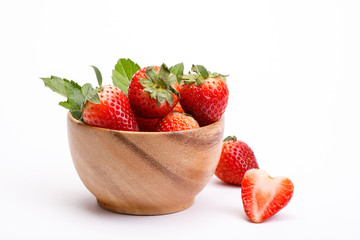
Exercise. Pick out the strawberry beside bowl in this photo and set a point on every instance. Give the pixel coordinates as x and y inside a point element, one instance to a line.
<point>144,173</point>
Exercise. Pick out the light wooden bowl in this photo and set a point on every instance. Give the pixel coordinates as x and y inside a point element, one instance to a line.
<point>144,173</point>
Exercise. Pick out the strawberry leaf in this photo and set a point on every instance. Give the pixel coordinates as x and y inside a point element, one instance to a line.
<point>123,72</point>
<point>86,89</point>
<point>93,96</point>
<point>201,70</point>
<point>120,81</point>
<point>98,75</point>
<point>69,89</point>
<point>177,70</point>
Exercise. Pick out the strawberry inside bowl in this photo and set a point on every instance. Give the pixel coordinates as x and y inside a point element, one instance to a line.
<point>144,173</point>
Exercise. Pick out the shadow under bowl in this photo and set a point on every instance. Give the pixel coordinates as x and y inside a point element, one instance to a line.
<point>144,173</point>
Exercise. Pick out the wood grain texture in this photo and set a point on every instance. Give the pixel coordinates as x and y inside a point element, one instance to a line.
<point>144,173</point>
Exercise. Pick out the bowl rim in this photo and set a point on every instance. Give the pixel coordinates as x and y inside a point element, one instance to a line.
<point>78,122</point>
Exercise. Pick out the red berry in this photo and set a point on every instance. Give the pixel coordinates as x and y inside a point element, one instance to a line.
<point>236,158</point>
<point>150,94</point>
<point>206,102</point>
<point>176,121</point>
<point>113,112</point>
<point>147,124</point>
<point>178,108</point>
<point>264,196</point>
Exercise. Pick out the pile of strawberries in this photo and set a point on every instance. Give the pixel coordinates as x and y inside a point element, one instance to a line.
<point>152,98</point>
<point>162,99</point>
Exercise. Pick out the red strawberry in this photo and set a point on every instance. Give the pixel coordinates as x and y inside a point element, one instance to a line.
<point>236,158</point>
<point>147,124</point>
<point>106,107</point>
<point>176,121</point>
<point>178,108</point>
<point>153,92</point>
<point>263,196</point>
<point>113,112</point>
<point>204,95</point>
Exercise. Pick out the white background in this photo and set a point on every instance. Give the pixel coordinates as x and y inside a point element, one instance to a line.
<point>294,98</point>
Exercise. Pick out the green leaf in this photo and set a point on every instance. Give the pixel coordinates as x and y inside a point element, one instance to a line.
<point>76,114</point>
<point>203,72</point>
<point>177,69</point>
<point>56,84</point>
<point>98,75</point>
<point>74,92</point>
<point>90,93</point>
<point>93,96</point>
<point>123,72</point>
<point>170,80</point>
<point>120,81</point>
<point>69,89</point>
<point>86,89</point>
<point>67,104</point>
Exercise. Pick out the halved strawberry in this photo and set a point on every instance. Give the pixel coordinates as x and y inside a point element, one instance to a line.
<point>263,196</point>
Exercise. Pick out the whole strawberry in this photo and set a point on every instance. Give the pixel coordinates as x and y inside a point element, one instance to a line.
<point>204,95</point>
<point>147,124</point>
<point>263,196</point>
<point>176,121</point>
<point>178,108</point>
<point>153,92</point>
<point>113,111</point>
<point>236,158</point>
<point>106,107</point>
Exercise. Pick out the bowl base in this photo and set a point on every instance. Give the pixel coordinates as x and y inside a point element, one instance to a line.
<point>144,211</point>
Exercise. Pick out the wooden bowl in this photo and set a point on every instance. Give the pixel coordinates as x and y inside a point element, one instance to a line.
<point>144,173</point>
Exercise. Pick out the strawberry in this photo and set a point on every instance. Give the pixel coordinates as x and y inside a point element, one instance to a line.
<point>264,196</point>
<point>106,107</point>
<point>236,158</point>
<point>113,111</point>
<point>176,121</point>
<point>153,92</point>
<point>178,108</point>
<point>147,124</point>
<point>204,95</point>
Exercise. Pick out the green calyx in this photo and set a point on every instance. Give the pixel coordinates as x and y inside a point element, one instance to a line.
<point>234,138</point>
<point>159,84</point>
<point>76,95</point>
<point>200,73</point>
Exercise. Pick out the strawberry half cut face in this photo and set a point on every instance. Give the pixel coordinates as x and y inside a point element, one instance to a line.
<point>264,196</point>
